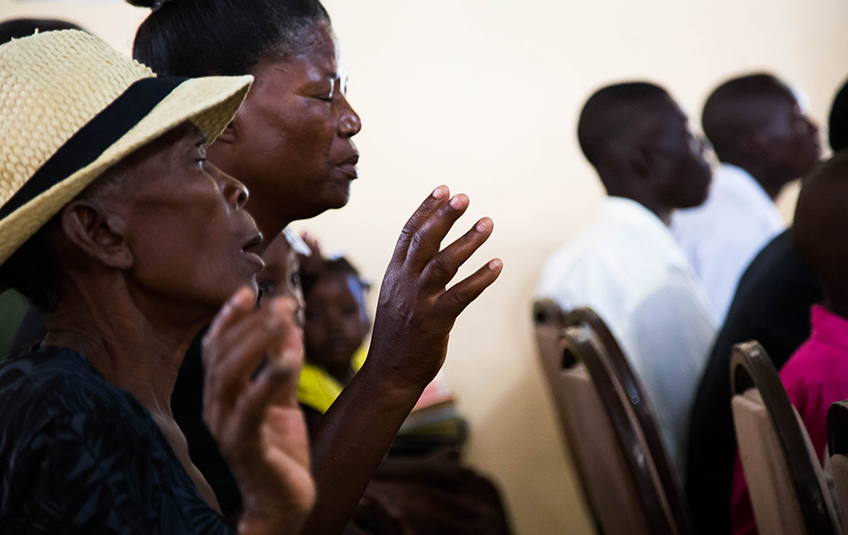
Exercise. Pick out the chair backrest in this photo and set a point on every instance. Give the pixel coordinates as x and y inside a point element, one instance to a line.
<point>837,445</point>
<point>604,413</point>
<point>785,480</point>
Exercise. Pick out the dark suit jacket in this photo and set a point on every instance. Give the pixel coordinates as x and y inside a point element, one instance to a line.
<point>772,305</point>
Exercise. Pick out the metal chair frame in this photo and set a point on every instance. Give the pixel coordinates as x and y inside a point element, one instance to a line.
<point>751,367</point>
<point>586,339</point>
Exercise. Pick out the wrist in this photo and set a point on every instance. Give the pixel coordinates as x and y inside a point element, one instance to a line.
<point>281,522</point>
<point>393,385</point>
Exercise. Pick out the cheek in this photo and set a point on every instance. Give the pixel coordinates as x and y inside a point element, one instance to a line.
<point>310,140</point>
<point>187,257</point>
<point>313,337</point>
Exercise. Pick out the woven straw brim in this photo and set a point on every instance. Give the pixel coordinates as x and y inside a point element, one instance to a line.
<point>210,103</point>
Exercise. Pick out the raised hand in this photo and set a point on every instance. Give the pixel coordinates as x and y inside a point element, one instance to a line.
<point>415,315</point>
<point>254,415</point>
<point>416,312</point>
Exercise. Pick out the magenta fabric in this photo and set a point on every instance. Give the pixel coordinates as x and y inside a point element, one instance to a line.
<point>815,377</point>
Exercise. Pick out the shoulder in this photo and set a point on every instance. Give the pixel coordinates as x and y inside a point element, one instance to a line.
<point>86,454</point>
<point>50,382</point>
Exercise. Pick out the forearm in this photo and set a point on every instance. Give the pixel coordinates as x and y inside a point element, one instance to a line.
<point>351,441</point>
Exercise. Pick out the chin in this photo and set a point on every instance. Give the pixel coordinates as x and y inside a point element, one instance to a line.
<point>337,200</point>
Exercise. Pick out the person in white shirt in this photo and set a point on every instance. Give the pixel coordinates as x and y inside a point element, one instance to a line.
<point>627,266</point>
<point>764,140</point>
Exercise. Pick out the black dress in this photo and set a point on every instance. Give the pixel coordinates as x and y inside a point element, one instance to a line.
<point>80,455</point>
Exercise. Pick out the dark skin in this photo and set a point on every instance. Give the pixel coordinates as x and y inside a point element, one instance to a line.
<point>336,323</point>
<point>291,145</point>
<point>820,229</point>
<point>146,261</point>
<point>291,141</point>
<point>778,142</point>
<point>657,162</point>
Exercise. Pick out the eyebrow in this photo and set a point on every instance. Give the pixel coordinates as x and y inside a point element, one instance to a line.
<point>197,141</point>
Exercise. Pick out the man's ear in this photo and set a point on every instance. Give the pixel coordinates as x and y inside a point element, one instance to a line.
<point>752,144</point>
<point>99,234</point>
<point>642,160</point>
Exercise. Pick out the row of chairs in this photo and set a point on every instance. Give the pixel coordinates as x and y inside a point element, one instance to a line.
<point>628,480</point>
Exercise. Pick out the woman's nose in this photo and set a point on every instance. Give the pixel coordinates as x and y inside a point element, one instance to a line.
<point>234,191</point>
<point>349,122</point>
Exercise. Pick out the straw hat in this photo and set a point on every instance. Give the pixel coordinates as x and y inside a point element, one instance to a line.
<point>71,107</point>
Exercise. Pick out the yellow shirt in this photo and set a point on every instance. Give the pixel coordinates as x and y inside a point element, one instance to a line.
<point>318,389</point>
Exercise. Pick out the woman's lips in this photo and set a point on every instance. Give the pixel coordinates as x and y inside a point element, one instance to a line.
<point>255,260</point>
<point>348,170</point>
<point>249,251</point>
<point>348,167</point>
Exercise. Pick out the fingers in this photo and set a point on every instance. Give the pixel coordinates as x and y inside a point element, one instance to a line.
<point>236,353</point>
<point>428,239</point>
<point>255,401</point>
<point>424,212</point>
<point>442,268</point>
<point>240,305</point>
<point>455,299</point>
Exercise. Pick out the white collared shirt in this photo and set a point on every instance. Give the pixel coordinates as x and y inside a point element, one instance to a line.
<point>630,271</point>
<point>722,236</point>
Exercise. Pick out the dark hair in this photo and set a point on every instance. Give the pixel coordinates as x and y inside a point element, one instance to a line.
<point>607,114</point>
<point>18,28</point>
<point>332,266</point>
<point>33,272</point>
<point>221,37</point>
<point>736,107</point>
<point>837,124</point>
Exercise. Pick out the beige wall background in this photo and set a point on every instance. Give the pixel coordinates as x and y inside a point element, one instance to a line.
<point>483,95</point>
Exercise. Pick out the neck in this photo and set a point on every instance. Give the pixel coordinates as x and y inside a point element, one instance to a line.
<point>133,343</point>
<point>660,210</point>
<point>770,182</point>
<point>270,225</point>
<point>619,183</point>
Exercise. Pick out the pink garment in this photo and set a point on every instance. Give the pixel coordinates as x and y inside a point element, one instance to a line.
<point>815,377</point>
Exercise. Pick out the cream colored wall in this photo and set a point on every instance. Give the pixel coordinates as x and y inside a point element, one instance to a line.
<point>483,95</point>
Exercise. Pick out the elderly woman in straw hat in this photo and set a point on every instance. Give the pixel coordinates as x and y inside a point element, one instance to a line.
<point>113,223</point>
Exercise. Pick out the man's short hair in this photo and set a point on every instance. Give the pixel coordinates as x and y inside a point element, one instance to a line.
<point>736,107</point>
<point>609,112</point>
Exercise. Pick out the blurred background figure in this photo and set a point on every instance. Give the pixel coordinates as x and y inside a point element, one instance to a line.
<point>627,266</point>
<point>771,305</point>
<point>764,139</point>
<point>816,375</point>
<point>13,307</point>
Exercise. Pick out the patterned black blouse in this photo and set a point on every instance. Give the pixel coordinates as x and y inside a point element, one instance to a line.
<point>80,455</point>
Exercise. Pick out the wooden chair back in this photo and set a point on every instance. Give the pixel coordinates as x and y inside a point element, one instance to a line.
<point>604,413</point>
<point>785,480</point>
